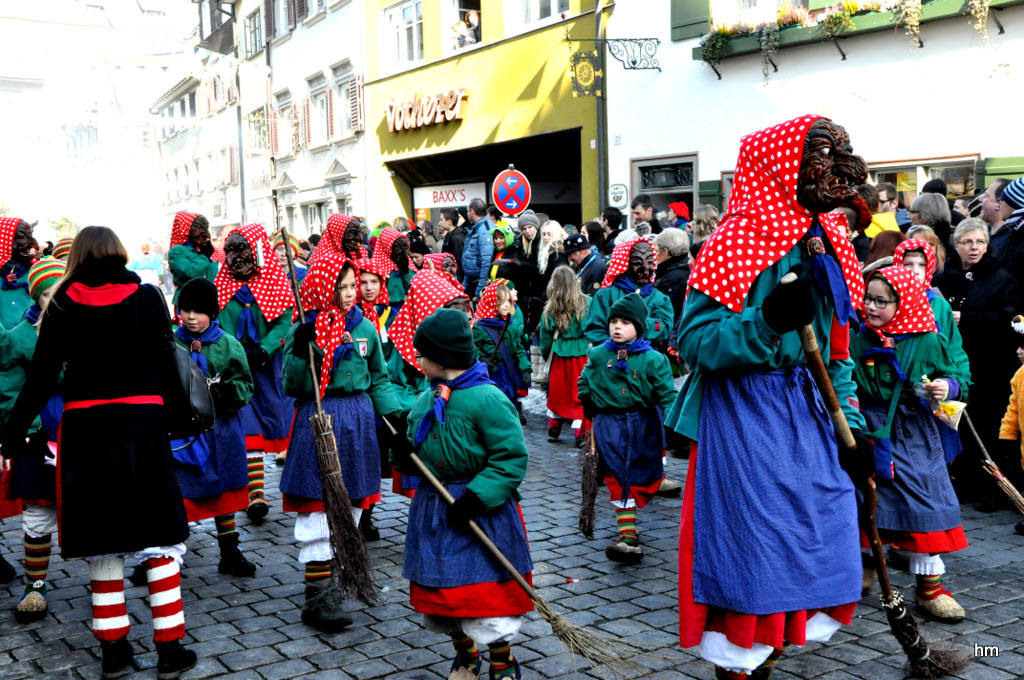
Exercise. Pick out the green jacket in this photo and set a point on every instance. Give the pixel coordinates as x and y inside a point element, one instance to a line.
<point>647,381</point>
<point>16,349</point>
<point>398,288</point>
<point>272,334</point>
<point>571,343</point>
<point>405,379</point>
<point>512,340</point>
<point>226,358</point>
<point>712,337</point>
<point>481,439</point>
<point>362,371</point>
<point>951,333</point>
<point>659,319</point>
<point>185,264</point>
<point>13,304</point>
<point>929,354</point>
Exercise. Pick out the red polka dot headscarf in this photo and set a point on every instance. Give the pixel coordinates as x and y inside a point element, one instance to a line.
<point>182,223</point>
<point>913,313</point>
<point>382,249</point>
<point>8,227</point>
<point>436,261</point>
<point>331,240</point>
<point>317,293</point>
<point>428,292</point>
<point>367,265</point>
<point>619,263</point>
<point>487,308</point>
<point>269,285</point>
<point>915,245</point>
<point>764,220</point>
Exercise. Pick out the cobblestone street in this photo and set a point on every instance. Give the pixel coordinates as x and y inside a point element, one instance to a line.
<point>250,629</point>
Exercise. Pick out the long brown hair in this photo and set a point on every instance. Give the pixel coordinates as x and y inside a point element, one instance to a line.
<point>566,301</point>
<point>93,245</point>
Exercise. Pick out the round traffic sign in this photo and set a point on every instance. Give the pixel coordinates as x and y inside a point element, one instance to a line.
<point>511,192</point>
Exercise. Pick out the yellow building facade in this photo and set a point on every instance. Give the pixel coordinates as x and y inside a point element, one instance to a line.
<point>449,108</point>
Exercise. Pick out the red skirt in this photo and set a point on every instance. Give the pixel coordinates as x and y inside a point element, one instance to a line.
<point>472,602</point>
<point>930,542</point>
<point>563,387</point>
<point>742,630</point>
<point>299,504</point>
<point>9,506</point>
<point>228,503</point>
<point>257,442</point>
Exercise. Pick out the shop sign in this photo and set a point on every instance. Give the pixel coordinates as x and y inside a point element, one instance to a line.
<point>447,195</point>
<point>423,111</point>
<point>617,195</point>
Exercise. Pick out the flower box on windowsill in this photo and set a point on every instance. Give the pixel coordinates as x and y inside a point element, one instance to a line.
<point>862,23</point>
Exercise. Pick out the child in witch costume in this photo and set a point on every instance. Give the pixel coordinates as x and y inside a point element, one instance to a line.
<point>342,236</point>
<point>17,253</point>
<point>212,470</point>
<point>392,249</point>
<point>561,335</point>
<point>354,386</point>
<point>428,293</point>
<point>625,388</point>
<point>468,435</point>
<point>33,477</point>
<point>190,251</point>
<point>255,302</point>
<point>509,367</point>
<point>445,265</point>
<point>896,346</point>
<point>768,490</point>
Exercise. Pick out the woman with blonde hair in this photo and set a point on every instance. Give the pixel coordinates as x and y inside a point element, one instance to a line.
<point>561,338</point>
<point>705,219</point>
<point>549,254</point>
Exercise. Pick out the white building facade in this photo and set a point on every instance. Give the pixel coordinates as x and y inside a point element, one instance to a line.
<point>914,113</point>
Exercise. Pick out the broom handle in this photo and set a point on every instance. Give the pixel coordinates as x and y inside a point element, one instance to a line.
<point>981,445</point>
<point>294,281</point>
<point>842,428</point>
<point>473,526</point>
<point>501,336</point>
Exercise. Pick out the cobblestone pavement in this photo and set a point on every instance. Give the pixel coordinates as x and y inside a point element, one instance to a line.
<point>250,629</point>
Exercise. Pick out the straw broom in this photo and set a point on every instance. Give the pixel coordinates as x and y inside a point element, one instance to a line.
<point>990,467</point>
<point>603,653</point>
<point>588,481</point>
<point>350,561</point>
<point>924,661</point>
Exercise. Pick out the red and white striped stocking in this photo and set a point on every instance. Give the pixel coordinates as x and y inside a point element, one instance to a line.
<point>109,614</point>
<point>164,580</point>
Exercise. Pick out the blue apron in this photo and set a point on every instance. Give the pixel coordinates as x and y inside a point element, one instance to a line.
<point>775,517</point>
<point>631,446</point>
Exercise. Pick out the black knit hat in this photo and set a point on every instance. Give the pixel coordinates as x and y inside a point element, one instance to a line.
<point>444,338</point>
<point>420,247</point>
<point>633,309</point>
<point>199,295</point>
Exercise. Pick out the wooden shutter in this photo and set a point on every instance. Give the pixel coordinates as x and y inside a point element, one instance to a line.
<point>233,162</point>
<point>307,107</point>
<point>291,13</point>
<point>690,18</point>
<point>268,23</point>
<point>330,113</point>
<point>295,128</point>
<point>215,16</point>
<point>355,100</point>
<point>301,10</point>
<point>272,124</point>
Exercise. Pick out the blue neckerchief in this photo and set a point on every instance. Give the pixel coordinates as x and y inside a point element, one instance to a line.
<point>493,323</point>
<point>208,337</point>
<point>638,346</point>
<point>622,281</point>
<point>829,277</point>
<point>352,319</point>
<point>886,354</point>
<point>476,375</point>
<point>247,326</point>
<point>32,313</point>
<point>680,223</point>
<point>11,274</point>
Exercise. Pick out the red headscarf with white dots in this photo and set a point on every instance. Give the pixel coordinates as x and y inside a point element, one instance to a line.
<point>428,292</point>
<point>182,224</point>
<point>436,260</point>
<point>619,264</point>
<point>317,293</point>
<point>914,314</point>
<point>764,220</point>
<point>382,249</point>
<point>269,285</point>
<point>331,240</point>
<point>367,265</point>
<point>914,245</point>
<point>8,227</point>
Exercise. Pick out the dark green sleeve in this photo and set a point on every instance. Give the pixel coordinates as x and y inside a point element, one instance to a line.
<point>483,342</point>
<point>381,392</point>
<point>595,329</point>
<point>297,382</point>
<point>584,381</point>
<point>522,358</point>
<point>660,317</point>
<point>235,376</point>
<point>659,373</point>
<point>277,330</point>
<point>502,437</point>
<point>547,335</point>
<point>187,264</point>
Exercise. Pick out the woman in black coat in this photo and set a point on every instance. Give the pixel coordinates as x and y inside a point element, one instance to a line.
<point>984,299</point>
<point>117,490</point>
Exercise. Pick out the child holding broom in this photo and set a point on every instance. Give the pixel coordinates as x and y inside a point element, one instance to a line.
<point>468,435</point>
<point>625,389</point>
<point>498,342</point>
<point>561,335</point>
<point>354,385</point>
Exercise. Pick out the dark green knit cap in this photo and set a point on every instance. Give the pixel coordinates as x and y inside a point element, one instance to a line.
<point>444,338</point>
<point>633,309</point>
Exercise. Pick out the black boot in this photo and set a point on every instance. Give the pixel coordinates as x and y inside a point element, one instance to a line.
<point>7,571</point>
<point>138,577</point>
<point>118,657</point>
<point>553,432</point>
<point>369,531</point>
<point>323,609</point>
<point>232,561</point>
<point>522,416</point>
<point>173,660</point>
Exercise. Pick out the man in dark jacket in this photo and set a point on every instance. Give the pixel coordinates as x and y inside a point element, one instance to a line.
<point>642,210</point>
<point>454,237</point>
<point>671,249</point>
<point>476,256</point>
<point>611,220</point>
<point>589,268</point>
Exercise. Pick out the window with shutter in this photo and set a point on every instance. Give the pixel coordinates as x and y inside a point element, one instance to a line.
<point>301,10</point>
<point>690,18</point>
<point>291,13</point>
<point>268,12</point>
<point>275,120</point>
<point>356,104</point>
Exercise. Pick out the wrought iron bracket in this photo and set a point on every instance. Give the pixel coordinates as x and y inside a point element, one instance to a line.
<point>835,41</point>
<point>715,70</point>
<point>996,19</point>
<point>635,54</point>
<point>772,62</point>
